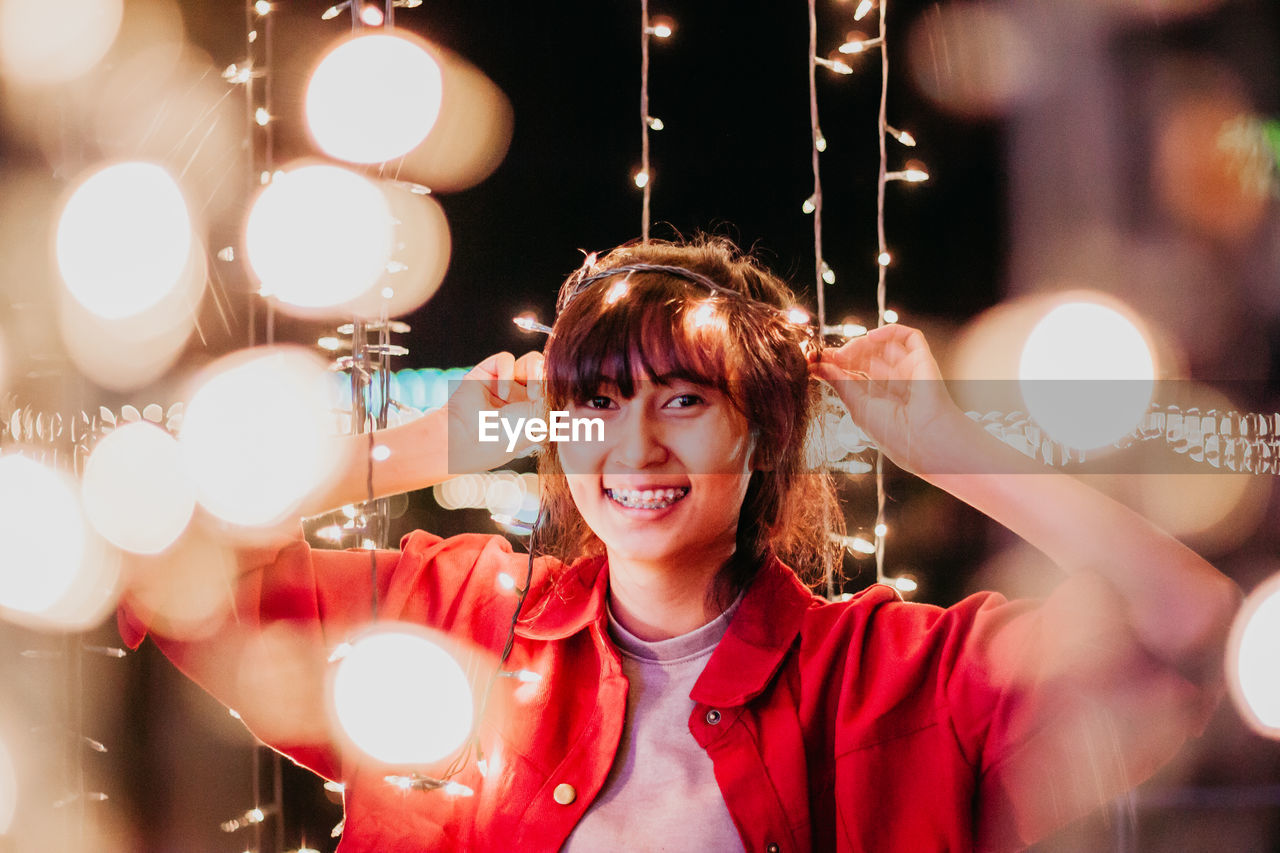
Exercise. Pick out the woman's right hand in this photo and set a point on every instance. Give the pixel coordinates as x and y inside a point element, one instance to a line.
<point>502,383</point>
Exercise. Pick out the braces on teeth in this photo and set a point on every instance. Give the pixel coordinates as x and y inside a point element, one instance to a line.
<point>648,498</point>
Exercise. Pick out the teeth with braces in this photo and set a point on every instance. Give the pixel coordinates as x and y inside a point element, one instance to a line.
<point>647,498</point>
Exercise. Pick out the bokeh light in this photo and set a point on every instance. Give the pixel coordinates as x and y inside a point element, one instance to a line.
<point>471,136</point>
<point>124,239</point>
<point>1086,374</point>
<point>401,698</point>
<point>185,591</point>
<point>318,238</point>
<point>1254,659</point>
<point>8,790</point>
<point>255,435</point>
<point>53,41</point>
<point>57,572</point>
<point>420,250</point>
<point>374,97</point>
<point>973,58</point>
<point>135,491</point>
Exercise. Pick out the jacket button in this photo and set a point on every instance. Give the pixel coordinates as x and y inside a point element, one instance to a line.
<point>772,847</point>
<point>565,794</point>
<point>713,717</point>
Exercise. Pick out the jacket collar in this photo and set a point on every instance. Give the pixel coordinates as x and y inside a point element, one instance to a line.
<point>751,651</point>
<point>759,637</point>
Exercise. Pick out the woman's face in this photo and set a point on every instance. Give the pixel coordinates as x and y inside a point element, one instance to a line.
<point>666,484</point>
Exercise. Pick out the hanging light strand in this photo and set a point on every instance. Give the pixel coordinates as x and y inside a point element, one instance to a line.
<point>642,178</point>
<point>882,266</point>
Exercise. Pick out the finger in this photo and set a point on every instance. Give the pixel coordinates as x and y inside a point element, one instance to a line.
<point>529,372</point>
<point>503,366</point>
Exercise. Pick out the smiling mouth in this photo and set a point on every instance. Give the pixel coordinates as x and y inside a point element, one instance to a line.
<point>647,498</point>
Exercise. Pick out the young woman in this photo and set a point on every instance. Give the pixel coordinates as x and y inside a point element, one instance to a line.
<point>693,694</point>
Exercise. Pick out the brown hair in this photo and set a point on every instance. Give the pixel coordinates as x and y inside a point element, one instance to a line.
<point>753,353</point>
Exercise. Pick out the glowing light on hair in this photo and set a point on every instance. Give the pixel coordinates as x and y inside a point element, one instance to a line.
<point>616,291</point>
<point>400,698</point>
<point>374,97</point>
<point>124,239</point>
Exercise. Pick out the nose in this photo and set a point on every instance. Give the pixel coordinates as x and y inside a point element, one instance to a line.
<point>636,440</point>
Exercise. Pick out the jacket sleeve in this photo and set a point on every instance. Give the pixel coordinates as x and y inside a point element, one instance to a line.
<point>266,656</point>
<point>1058,708</point>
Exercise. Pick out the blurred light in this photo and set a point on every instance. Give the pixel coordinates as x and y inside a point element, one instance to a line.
<point>333,11</point>
<point>973,58</point>
<point>185,592</point>
<point>798,316</point>
<point>371,15</point>
<point>506,581</point>
<point>400,698</point>
<point>902,136</point>
<point>261,117</point>
<point>374,97</point>
<point>262,7</point>
<point>134,489</point>
<point>705,315</point>
<point>835,65</point>
<point>616,291</point>
<point>1108,370</point>
<point>8,790</point>
<point>124,239</point>
<point>859,545</point>
<point>54,41</point>
<point>857,43</point>
<point>504,493</point>
<point>56,572</point>
<point>420,249</point>
<point>329,343</point>
<point>254,437</point>
<point>904,583</point>
<point>1254,659</point>
<point>863,8</point>
<point>890,316</point>
<point>529,323</point>
<point>661,27</point>
<point>319,236</point>
<point>882,530</point>
<point>883,259</point>
<point>641,179</point>
<point>911,176</point>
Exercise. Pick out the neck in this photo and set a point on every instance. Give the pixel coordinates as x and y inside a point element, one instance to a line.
<point>660,602</point>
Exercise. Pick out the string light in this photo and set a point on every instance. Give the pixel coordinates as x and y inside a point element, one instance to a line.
<point>859,45</point>
<point>808,206</point>
<point>883,259</point>
<point>660,27</point>
<point>371,15</point>
<point>864,7</point>
<point>261,116</point>
<point>901,136</point>
<point>655,123</point>
<point>890,316</point>
<point>334,11</point>
<point>833,64</point>
<point>262,7</point>
<point>641,179</point>
<point>529,323</point>
<point>911,176</point>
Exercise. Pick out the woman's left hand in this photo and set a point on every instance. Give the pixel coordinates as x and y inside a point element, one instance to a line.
<point>890,383</point>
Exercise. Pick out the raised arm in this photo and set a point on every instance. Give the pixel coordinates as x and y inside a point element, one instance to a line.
<point>1178,606</point>
<point>443,443</point>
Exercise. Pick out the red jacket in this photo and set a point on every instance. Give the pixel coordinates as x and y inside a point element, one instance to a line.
<point>868,725</point>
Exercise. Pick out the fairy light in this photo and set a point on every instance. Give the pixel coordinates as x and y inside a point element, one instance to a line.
<point>911,176</point>
<point>901,136</point>
<point>334,11</point>
<point>859,45</point>
<point>261,117</point>
<point>863,8</point>
<point>890,316</point>
<point>616,291</point>
<point>641,180</point>
<point>884,259</point>
<point>798,316</point>
<point>655,123</point>
<point>833,65</point>
<point>808,206</point>
<point>529,323</point>
<point>262,7</point>
<point>329,343</point>
<point>657,28</point>
<point>371,15</point>
<point>381,453</point>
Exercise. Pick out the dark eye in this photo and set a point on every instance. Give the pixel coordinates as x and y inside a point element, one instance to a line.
<point>685,401</point>
<point>599,401</point>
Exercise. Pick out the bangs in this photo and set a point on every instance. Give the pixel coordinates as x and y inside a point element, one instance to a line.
<point>643,326</point>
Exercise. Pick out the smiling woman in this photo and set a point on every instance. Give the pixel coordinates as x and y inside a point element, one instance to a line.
<point>663,679</point>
